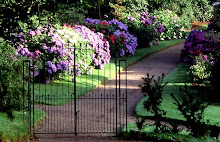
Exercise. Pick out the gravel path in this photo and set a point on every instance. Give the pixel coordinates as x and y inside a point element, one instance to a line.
<point>162,62</point>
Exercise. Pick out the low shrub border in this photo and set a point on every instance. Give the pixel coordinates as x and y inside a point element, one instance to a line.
<point>147,133</point>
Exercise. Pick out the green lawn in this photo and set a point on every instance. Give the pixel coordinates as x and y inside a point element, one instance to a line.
<point>177,78</point>
<point>85,83</point>
<point>203,27</point>
<point>16,130</point>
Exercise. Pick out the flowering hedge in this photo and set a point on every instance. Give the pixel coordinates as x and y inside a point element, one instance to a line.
<point>201,49</point>
<point>54,50</point>
<point>121,41</point>
<point>145,27</point>
<point>199,43</point>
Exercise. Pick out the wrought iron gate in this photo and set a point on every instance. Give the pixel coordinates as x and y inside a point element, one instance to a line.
<point>91,103</point>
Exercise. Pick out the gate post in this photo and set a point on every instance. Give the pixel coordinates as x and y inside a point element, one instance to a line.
<point>123,96</point>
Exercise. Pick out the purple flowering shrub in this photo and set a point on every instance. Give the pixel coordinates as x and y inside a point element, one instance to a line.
<point>121,42</point>
<point>202,50</point>
<point>145,27</point>
<point>84,52</point>
<point>116,25</point>
<point>53,50</point>
<point>99,44</point>
<point>199,43</point>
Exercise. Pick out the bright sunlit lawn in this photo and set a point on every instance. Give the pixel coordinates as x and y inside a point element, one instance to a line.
<point>86,83</point>
<point>176,79</point>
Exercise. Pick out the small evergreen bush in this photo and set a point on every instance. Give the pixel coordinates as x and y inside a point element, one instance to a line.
<point>154,100</point>
<point>192,105</point>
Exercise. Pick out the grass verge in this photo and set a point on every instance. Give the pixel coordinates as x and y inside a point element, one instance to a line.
<point>16,130</point>
<point>148,134</point>
<point>177,78</point>
<point>53,93</point>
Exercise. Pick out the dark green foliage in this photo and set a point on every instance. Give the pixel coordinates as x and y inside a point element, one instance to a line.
<point>203,10</point>
<point>11,86</point>
<point>70,14</point>
<point>217,12</point>
<point>192,105</point>
<point>136,5</point>
<point>154,93</point>
<point>140,31</point>
<point>190,10</point>
<point>95,8</point>
<point>216,23</point>
<point>216,68</point>
<point>215,80</point>
<point>140,123</point>
<point>14,11</point>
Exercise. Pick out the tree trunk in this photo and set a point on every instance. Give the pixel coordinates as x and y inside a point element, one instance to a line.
<point>99,5</point>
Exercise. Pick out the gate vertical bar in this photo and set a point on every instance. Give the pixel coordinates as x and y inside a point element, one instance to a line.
<point>75,91</point>
<point>119,87</point>
<point>116,94</point>
<point>121,96</point>
<point>33,99</point>
<point>29,96</point>
<point>23,95</point>
<point>126,92</point>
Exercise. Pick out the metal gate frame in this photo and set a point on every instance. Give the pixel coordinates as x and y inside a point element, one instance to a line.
<point>118,98</point>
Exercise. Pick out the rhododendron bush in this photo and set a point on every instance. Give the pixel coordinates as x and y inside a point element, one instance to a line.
<point>121,42</point>
<point>99,44</point>
<point>145,27</point>
<point>53,49</point>
<point>199,43</point>
<point>201,49</point>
